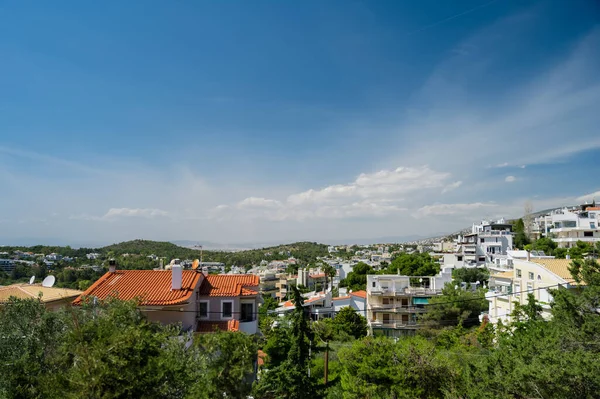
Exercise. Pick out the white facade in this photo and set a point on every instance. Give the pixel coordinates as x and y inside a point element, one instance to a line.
<point>394,302</point>
<point>535,276</point>
<point>567,226</point>
<point>486,242</point>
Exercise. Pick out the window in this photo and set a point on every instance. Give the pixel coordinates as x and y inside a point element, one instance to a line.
<point>483,240</point>
<point>529,287</point>
<point>226,309</point>
<point>247,312</point>
<point>482,258</point>
<point>592,225</point>
<point>588,233</point>
<point>203,309</point>
<point>386,318</point>
<point>518,273</point>
<point>374,284</point>
<point>386,301</point>
<point>517,291</point>
<point>539,278</point>
<point>459,258</point>
<point>531,276</point>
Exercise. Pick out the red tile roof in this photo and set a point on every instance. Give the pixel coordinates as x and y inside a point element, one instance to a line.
<point>320,275</point>
<point>229,285</point>
<point>212,326</point>
<point>152,287</point>
<point>593,208</point>
<point>261,358</point>
<point>360,294</point>
<point>340,298</point>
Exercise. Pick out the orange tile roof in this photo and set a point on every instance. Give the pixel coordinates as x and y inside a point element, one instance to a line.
<point>320,275</point>
<point>229,285</point>
<point>560,267</point>
<point>508,274</point>
<point>340,298</point>
<point>360,294</point>
<point>261,357</point>
<point>152,287</point>
<point>593,208</point>
<point>212,326</point>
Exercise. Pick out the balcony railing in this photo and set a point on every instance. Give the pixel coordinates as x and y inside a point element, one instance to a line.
<point>404,291</point>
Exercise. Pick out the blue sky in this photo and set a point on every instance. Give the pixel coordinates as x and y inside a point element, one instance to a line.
<point>277,121</point>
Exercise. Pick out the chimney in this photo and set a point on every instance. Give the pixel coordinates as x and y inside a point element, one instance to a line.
<point>528,256</point>
<point>112,266</point>
<point>176,277</point>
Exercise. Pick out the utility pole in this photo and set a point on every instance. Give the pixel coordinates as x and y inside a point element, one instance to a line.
<point>326,362</point>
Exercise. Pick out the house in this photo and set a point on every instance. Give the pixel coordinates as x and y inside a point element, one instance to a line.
<point>536,276</point>
<point>93,256</point>
<point>7,265</point>
<point>394,302</point>
<point>486,242</point>
<point>229,302</point>
<point>356,300</point>
<point>53,298</point>
<point>319,305</point>
<point>165,296</point>
<point>268,283</point>
<point>566,226</point>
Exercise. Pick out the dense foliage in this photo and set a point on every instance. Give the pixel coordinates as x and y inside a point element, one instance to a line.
<point>111,351</point>
<point>414,264</point>
<point>356,280</point>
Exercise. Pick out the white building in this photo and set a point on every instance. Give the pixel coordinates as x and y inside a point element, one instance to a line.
<point>487,242</point>
<point>535,276</point>
<point>567,226</point>
<point>394,302</point>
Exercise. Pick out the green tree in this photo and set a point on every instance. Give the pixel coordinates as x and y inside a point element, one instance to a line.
<point>455,306</point>
<point>291,379</point>
<point>356,280</point>
<point>520,236</point>
<point>229,362</point>
<point>414,264</point>
<point>348,321</point>
<point>544,244</point>
<point>470,275</point>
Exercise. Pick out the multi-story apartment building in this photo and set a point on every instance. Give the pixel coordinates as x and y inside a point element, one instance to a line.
<point>535,276</point>
<point>567,226</point>
<point>394,302</point>
<point>268,283</point>
<point>486,242</point>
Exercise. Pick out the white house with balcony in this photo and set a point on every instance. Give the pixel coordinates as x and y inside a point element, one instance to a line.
<point>394,302</point>
<point>566,226</point>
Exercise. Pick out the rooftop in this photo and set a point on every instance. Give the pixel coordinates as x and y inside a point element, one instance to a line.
<point>560,267</point>
<point>212,326</point>
<point>152,287</point>
<point>360,294</point>
<point>508,274</point>
<point>27,291</point>
<point>229,285</point>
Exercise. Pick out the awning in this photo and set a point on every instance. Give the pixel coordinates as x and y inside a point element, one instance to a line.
<point>420,301</point>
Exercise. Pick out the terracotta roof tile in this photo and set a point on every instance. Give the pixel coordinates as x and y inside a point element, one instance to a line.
<point>229,285</point>
<point>28,291</point>
<point>319,275</point>
<point>360,294</point>
<point>212,326</point>
<point>340,298</point>
<point>152,287</point>
<point>261,357</point>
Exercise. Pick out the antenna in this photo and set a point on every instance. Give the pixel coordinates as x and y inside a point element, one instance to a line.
<point>31,280</point>
<point>48,281</point>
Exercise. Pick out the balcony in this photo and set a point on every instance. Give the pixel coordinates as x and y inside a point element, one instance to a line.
<point>393,324</point>
<point>249,327</point>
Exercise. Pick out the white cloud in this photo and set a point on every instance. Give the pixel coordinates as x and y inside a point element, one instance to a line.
<point>378,185</point>
<point>452,209</point>
<point>134,212</point>
<point>255,202</point>
<point>589,197</point>
<point>502,165</point>
<point>510,179</point>
<point>452,186</point>
<point>369,195</point>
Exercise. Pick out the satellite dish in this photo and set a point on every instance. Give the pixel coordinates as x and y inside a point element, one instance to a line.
<point>31,280</point>
<point>48,281</point>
